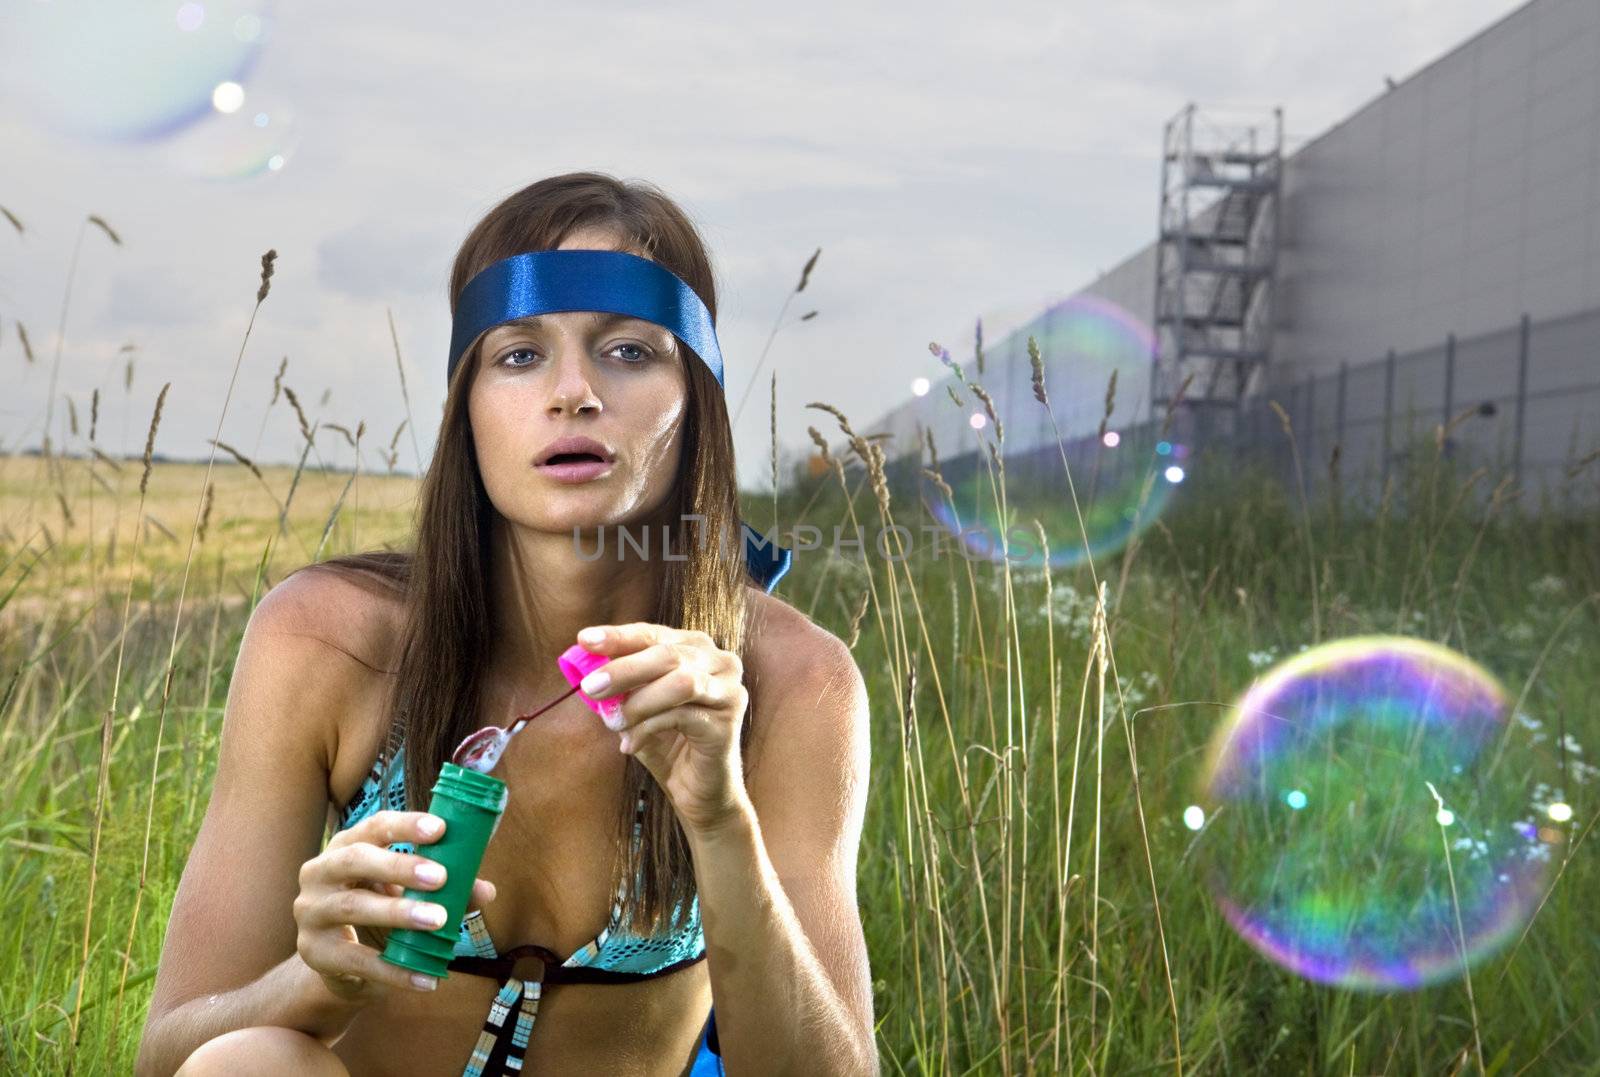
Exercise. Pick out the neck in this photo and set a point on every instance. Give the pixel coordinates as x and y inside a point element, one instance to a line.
<point>543,590</point>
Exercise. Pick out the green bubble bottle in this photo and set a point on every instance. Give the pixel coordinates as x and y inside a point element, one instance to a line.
<point>471,804</point>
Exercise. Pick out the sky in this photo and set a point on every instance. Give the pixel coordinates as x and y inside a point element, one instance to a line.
<point>951,160</point>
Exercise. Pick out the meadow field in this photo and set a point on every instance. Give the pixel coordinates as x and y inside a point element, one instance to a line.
<point>1031,897</point>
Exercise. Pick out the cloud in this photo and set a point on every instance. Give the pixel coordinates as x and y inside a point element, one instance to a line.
<point>386,259</point>
<point>154,296</point>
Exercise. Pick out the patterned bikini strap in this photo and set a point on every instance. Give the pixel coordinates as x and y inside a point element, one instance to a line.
<point>537,964</point>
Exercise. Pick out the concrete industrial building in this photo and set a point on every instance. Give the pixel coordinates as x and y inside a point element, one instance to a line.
<point>1437,249</point>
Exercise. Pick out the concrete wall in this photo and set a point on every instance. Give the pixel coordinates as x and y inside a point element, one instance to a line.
<point>1455,202</point>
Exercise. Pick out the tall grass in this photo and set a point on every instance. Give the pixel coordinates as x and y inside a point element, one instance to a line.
<point>1028,890</point>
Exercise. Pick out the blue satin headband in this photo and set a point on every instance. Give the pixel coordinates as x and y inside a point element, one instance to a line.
<point>614,282</point>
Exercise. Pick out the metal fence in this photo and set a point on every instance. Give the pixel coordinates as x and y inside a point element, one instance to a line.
<point>1522,402</point>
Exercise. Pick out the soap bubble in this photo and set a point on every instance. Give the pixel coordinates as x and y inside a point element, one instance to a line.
<point>1122,485</point>
<point>1365,798</point>
<point>127,70</point>
<point>1118,500</point>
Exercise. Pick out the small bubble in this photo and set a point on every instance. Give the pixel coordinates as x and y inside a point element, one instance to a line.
<point>1194,817</point>
<point>1295,799</point>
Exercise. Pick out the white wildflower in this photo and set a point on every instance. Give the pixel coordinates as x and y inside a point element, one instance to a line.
<point>1547,586</point>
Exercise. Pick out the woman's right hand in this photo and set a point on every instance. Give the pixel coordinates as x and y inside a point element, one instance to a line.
<point>357,881</point>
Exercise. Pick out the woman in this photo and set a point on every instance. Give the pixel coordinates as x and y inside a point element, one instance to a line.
<point>735,811</point>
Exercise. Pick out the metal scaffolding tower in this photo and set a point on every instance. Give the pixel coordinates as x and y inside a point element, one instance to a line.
<point>1216,258</point>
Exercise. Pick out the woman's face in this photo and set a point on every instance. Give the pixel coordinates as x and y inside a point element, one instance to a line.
<point>616,380</point>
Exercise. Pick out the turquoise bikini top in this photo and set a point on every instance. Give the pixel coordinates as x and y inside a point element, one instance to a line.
<point>613,949</point>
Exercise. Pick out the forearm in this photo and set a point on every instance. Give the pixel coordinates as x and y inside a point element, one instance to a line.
<point>777,1011</point>
<point>289,995</point>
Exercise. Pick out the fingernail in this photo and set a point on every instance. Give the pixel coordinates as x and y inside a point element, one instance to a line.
<point>431,826</point>
<point>423,983</point>
<point>428,914</point>
<point>592,635</point>
<point>622,745</point>
<point>430,873</point>
<point>596,682</point>
<point>611,714</point>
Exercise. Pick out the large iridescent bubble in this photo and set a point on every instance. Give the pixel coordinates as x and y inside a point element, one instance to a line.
<point>127,70</point>
<point>1369,818</point>
<point>1114,510</point>
<point>1124,476</point>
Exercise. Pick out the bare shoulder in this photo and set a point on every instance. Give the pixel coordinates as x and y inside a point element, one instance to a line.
<point>358,617</point>
<point>803,668</point>
<point>337,632</point>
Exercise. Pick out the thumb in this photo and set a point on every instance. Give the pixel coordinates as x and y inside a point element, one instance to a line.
<point>483,892</point>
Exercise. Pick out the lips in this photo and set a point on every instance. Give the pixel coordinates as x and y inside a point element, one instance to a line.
<point>574,450</point>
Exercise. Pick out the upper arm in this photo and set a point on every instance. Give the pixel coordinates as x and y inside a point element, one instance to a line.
<point>809,792</point>
<point>232,916</point>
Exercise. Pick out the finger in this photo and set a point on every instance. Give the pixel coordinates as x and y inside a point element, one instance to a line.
<point>695,724</point>
<point>389,827</point>
<point>682,686</point>
<point>625,638</point>
<point>362,863</point>
<point>351,959</point>
<point>628,671</point>
<point>483,892</point>
<point>361,907</point>
<point>658,662</point>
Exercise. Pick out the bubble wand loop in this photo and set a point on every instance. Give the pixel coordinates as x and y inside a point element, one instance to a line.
<point>481,749</point>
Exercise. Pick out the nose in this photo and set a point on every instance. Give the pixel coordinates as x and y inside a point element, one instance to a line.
<point>571,391</point>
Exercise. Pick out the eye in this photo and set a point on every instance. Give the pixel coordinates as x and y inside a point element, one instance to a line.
<point>644,352</point>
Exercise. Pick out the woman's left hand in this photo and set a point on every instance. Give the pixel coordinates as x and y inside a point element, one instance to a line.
<point>685,704</point>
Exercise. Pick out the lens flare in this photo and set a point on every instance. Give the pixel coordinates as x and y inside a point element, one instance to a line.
<point>1365,798</point>
<point>257,139</point>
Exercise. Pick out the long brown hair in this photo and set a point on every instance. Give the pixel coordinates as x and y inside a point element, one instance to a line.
<point>436,691</point>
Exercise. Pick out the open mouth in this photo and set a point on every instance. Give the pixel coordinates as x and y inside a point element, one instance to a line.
<point>574,458</point>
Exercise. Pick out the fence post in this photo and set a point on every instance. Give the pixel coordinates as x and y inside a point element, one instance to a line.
<point>1310,424</point>
<point>1449,377</point>
<point>1292,410</point>
<point>1338,414</point>
<point>1388,412</point>
<point>1522,398</point>
<point>1449,389</point>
